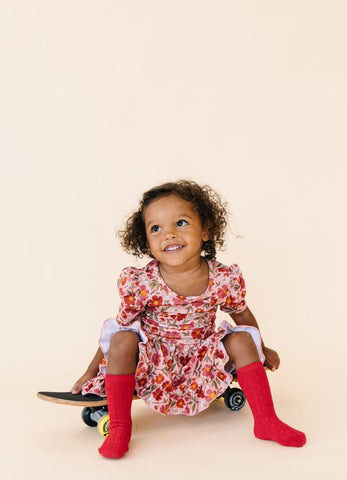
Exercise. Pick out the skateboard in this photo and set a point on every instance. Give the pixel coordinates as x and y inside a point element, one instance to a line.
<point>95,411</point>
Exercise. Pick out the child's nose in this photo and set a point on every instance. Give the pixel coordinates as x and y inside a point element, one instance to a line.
<point>169,234</point>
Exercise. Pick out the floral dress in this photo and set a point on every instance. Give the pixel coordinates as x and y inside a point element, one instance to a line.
<point>181,367</point>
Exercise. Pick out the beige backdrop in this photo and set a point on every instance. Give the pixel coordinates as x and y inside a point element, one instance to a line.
<point>102,100</point>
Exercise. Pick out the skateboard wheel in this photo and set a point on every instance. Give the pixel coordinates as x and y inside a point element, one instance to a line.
<point>234,398</point>
<point>103,425</point>
<point>86,417</point>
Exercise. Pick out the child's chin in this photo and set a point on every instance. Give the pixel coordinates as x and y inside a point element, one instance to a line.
<point>172,260</point>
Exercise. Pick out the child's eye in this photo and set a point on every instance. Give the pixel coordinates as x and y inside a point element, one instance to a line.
<point>155,228</point>
<point>180,223</point>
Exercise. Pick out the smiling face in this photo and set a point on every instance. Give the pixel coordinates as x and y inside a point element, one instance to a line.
<point>174,231</point>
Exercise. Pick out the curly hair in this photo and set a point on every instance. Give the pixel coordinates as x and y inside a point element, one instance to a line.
<point>207,203</point>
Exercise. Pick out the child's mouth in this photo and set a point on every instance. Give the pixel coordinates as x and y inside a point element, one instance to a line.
<point>173,248</point>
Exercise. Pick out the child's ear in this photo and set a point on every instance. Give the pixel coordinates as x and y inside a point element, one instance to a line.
<point>205,235</point>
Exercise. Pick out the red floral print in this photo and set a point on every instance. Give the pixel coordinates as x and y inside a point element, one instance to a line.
<point>202,352</point>
<point>156,301</point>
<point>159,378</point>
<point>197,333</point>
<point>181,355</point>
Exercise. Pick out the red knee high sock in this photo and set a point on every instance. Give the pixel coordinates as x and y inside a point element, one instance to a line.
<point>267,426</point>
<point>119,392</point>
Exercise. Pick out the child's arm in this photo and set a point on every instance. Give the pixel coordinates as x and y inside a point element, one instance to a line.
<point>91,371</point>
<point>272,360</point>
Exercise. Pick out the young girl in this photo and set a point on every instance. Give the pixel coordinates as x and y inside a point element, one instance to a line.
<point>163,342</point>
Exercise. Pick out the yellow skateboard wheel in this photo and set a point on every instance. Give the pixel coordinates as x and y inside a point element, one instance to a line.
<point>103,425</point>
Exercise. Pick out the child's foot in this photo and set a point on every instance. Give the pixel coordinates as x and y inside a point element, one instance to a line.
<point>119,390</point>
<point>116,443</point>
<point>280,432</point>
<point>267,426</point>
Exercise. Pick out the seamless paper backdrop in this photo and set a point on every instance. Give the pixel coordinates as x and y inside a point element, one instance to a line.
<point>102,100</point>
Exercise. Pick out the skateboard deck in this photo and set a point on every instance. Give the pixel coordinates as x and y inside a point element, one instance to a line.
<point>68,398</point>
<point>95,411</point>
<point>74,399</point>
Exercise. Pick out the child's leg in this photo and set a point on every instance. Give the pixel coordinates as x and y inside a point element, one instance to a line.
<point>120,385</point>
<point>241,349</point>
<point>254,382</point>
<point>123,353</point>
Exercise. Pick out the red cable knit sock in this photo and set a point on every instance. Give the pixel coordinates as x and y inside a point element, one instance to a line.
<point>119,392</point>
<point>267,426</point>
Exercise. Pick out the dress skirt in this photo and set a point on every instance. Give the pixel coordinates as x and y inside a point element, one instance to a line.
<point>176,377</point>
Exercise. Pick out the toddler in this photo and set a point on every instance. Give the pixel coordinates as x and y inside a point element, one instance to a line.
<point>164,342</point>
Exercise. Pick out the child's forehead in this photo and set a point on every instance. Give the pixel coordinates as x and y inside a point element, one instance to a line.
<point>169,204</point>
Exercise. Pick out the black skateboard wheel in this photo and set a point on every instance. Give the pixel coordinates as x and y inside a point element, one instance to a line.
<point>86,413</point>
<point>91,415</point>
<point>234,398</point>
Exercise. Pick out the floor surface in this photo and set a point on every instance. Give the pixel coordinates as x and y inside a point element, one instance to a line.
<point>47,441</point>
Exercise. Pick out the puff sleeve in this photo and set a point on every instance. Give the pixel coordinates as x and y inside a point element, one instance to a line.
<point>234,299</point>
<point>133,301</point>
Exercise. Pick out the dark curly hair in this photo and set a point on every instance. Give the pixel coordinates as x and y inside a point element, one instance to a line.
<point>207,203</point>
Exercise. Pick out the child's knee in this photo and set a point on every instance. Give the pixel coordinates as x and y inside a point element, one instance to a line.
<point>239,341</point>
<point>124,342</point>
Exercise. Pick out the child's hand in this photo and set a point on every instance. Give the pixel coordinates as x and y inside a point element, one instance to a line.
<point>272,360</point>
<point>81,381</point>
